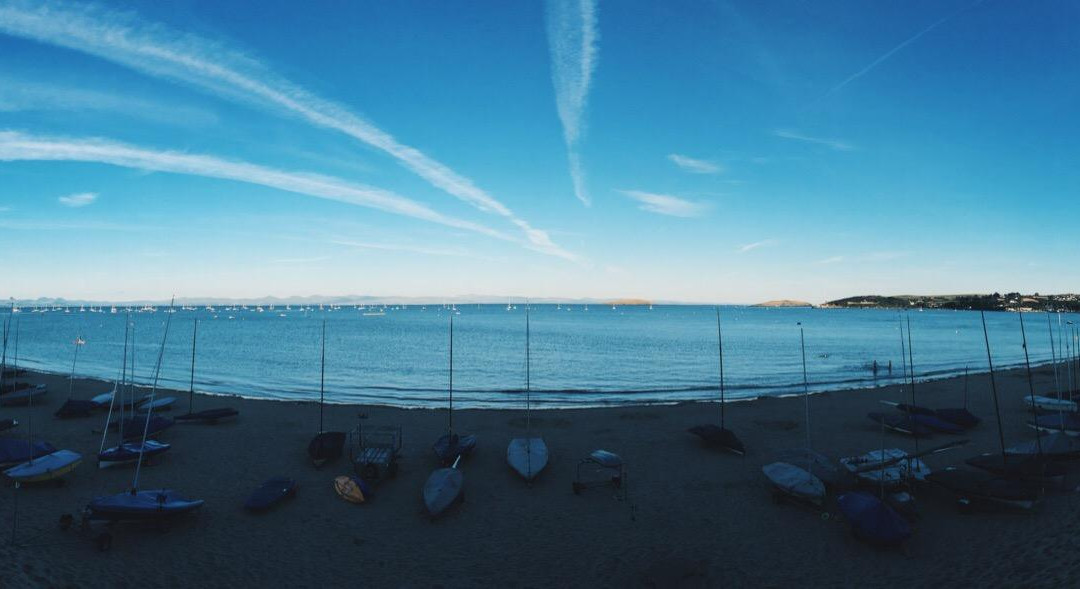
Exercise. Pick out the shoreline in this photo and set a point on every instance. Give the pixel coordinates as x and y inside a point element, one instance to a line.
<point>694,517</point>
<point>541,405</point>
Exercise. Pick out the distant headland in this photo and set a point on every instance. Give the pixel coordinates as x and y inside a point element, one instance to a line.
<point>784,303</point>
<point>1013,301</point>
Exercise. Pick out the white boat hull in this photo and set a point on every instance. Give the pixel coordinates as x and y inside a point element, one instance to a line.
<point>527,456</point>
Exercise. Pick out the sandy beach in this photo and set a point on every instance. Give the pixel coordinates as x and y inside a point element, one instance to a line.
<point>693,518</point>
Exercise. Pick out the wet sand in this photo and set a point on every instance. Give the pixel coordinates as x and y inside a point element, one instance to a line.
<point>694,517</point>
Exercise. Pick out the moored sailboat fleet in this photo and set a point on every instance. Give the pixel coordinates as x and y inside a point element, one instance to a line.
<point>874,491</point>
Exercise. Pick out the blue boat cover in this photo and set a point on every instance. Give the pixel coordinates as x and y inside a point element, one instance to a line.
<point>129,451</point>
<point>449,446</point>
<point>141,505</point>
<point>17,451</point>
<point>716,436</point>
<point>271,493</point>
<point>872,520</point>
<point>76,408</point>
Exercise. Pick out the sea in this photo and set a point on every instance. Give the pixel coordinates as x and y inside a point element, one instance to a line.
<point>578,355</point>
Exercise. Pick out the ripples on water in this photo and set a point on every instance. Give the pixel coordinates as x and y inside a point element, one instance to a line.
<point>579,358</point>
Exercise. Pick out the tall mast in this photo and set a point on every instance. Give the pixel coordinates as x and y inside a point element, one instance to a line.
<point>322,377</point>
<point>806,400</point>
<point>528,383</point>
<point>118,391</point>
<point>1053,357</point>
<point>191,390</point>
<point>993,390</point>
<point>450,415</point>
<point>911,376</point>
<point>1031,383</point>
<point>29,401</point>
<point>75,358</point>
<point>150,405</point>
<point>720,347</point>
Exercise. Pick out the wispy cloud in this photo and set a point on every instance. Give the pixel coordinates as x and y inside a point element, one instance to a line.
<point>211,66</point>
<point>873,64</point>
<point>4,209</point>
<point>77,200</point>
<point>21,95</point>
<point>572,36</point>
<point>830,260</point>
<point>665,204</point>
<point>836,144</point>
<point>15,146</point>
<point>53,225</point>
<point>695,166</point>
<point>757,244</point>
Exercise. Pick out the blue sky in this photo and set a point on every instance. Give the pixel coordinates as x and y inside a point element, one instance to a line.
<point>694,151</point>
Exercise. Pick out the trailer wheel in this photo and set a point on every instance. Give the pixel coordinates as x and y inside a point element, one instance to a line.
<point>103,541</point>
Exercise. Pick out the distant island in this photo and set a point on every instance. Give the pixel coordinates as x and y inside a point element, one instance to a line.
<point>784,303</point>
<point>1013,301</point>
<point>629,302</point>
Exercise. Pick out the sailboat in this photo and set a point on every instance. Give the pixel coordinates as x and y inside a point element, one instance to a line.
<point>713,435</point>
<point>75,407</point>
<point>788,479</point>
<point>125,452</point>
<point>151,504</point>
<point>443,488</point>
<point>1032,465</point>
<point>48,467</point>
<point>325,446</point>
<point>975,490</point>
<point>529,455</point>
<point>208,416</point>
<point>19,393</point>
<point>450,446</point>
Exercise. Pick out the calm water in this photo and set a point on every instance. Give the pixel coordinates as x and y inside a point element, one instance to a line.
<point>579,358</point>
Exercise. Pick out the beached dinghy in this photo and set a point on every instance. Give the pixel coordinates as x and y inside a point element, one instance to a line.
<point>888,467</point>
<point>902,423</point>
<point>451,446</point>
<point>1032,467</point>
<point>933,419</point>
<point>983,491</point>
<point>76,408</point>
<point>136,505</point>
<point>822,467</point>
<point>147,505</point>
<point>1066,423</point>
<point>443,488</point>
<point>1056,445</point>
<point>14,451</point>
<point>529,455</point>
<point>718,436</point>
<point>22,393</point>
<point>158,404</point>
<point>271,493</point>
<point>325,446</point>
<point>46,468</point>
<point>872,520</point>
<point>1050,403</point>
<point>352,489</point>
<point>104,399</point>
<point>206,416</point>
<point>796,482</point>
<point>130,452</point>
